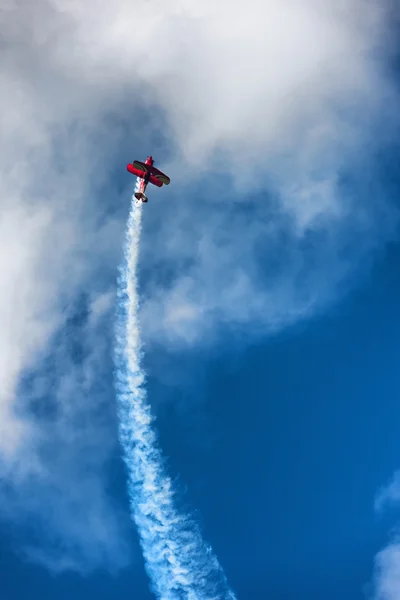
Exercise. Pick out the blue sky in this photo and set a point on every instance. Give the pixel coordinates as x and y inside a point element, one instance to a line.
<point>268,286</point>
<point>283,446</point>
<point>304,432</point>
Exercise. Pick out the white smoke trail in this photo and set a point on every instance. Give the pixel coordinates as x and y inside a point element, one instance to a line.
<point>178,563</point>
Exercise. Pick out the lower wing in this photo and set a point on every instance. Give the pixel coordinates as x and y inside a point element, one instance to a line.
<point>135,171</point>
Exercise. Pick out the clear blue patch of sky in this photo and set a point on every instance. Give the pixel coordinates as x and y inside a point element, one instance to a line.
<point>284,446</point>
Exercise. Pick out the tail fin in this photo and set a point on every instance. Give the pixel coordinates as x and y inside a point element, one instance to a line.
<point>141,196</point>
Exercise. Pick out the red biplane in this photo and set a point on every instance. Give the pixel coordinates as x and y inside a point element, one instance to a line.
<point>148,174</point>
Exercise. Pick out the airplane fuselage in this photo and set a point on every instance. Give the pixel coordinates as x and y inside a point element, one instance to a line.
<point>143,183</point>
<point>147,173</point>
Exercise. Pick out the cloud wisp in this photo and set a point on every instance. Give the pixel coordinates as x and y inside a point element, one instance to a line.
<point>56,491</point>
<point>177,560</point>
<point>387,561</point>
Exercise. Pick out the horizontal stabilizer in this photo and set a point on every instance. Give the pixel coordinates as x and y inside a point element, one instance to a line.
<point>141,196</point>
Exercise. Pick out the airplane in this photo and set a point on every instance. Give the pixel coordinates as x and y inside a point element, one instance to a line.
<point>148,174</point>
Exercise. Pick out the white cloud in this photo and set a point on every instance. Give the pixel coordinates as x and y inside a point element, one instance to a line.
<point>60,472</point>
<point>390,494</point>
<point>261,109</point>
<point>387,573</point>
<point>387,561</point>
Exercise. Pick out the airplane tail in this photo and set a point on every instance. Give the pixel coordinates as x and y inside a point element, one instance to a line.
<point>141,196</point>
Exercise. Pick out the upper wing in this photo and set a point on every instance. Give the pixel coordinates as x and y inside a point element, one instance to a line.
<point>141,165</point>
<point>140,169</point>
<point>160,175</point>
